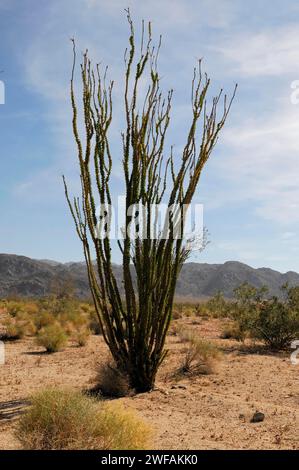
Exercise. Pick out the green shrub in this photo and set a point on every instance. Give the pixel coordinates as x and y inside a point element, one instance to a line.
<point>271,320</point>
<point>277,324</point>
<point>52,338</point>
<point>217,306</point>
<point>65,419</point>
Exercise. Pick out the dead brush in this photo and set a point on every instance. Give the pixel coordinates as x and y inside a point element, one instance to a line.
<point>111,382</point>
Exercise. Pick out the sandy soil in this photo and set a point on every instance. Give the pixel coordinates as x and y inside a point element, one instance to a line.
<point>206,412</point>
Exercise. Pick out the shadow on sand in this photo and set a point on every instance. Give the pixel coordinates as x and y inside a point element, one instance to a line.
<point>12,409</point>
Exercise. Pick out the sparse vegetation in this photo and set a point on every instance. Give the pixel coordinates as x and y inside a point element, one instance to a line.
<point>200,355</point>
<point>34,317</point>
<point>232,330</point>
<point>81,336</point>
<point>52,337</point>
<point>65,419</point>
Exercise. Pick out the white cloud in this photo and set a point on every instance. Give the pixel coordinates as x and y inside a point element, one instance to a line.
<point>262,161</point>
<point>271,52</point>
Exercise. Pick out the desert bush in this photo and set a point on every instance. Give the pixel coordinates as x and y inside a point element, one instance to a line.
<point>81,336</point>
<point>277,324</point>
<point>111,382</point>
<point>13,308</point>
<point>13,330</point>
<point>52,338</point>
<point>65,419</point>
<point>232,330</point>
<point>200,356</point>
<point>43,318</point>
<point>31,308</point>
<point>273,321</point>
<point>182,333</point>
<point>86,308</point>
<point>217,306</point>
<point>123,429</point>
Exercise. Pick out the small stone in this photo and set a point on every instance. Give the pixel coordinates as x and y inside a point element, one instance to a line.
<point>257,417</point>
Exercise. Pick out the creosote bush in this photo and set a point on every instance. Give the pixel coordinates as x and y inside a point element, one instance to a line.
<point>277,324</point>
<point>52,337</point>
<point>66,419</point>
<point>273,321</point>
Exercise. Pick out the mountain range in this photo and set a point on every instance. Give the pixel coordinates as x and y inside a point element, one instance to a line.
<point>26,277</point>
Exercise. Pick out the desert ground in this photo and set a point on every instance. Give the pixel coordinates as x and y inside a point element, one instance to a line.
<point>204,412</point>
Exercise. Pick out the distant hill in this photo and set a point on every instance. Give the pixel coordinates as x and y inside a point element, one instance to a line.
<point>26,277</point>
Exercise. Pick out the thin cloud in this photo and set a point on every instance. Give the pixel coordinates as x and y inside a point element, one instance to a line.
<point>267,53</point>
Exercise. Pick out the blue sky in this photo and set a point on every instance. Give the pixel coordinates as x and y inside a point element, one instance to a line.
<point>250,187</point>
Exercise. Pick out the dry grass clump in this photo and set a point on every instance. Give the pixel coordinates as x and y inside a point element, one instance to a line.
<point>111,382</point>
<point>201,356</point>
<point>66,419</point>
<point>13,330</point>
<point>233,331</point>
<point>52,337</point>
<point>81,336</point>
<point>183,334</point>
<point>123,429</point>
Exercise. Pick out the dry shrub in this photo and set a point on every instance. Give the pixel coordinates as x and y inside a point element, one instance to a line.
<point>14,307</point>
<point>13,330</point>
<point>123,429</point>
<point>183,334</point>
<point>233,331</point>
<point>81,336</point>
<point>42,319</point>
<point>53,338</point>
<point>111,382</point>
<point>200,357</point>
<point>65,419</point>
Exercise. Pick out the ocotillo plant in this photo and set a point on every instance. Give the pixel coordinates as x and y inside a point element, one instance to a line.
<point>135,324</point>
